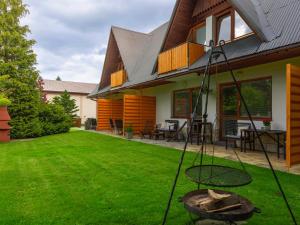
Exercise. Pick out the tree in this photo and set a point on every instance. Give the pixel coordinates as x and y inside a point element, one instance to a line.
<point>58,78</point>
<point>67,103</point>
<point>41,88</point>
<point>18,61</point>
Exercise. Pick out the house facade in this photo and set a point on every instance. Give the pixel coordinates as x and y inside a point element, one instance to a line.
<point>78,91</point>
<point>156,76</point>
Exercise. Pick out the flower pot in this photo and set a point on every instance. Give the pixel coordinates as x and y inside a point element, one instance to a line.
<point>4,116</point>
<point>4,127</point>
<point>129,135</point>
<point>266,128</point>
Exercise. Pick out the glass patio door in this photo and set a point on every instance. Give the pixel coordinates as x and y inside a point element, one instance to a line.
<point>228,108</point>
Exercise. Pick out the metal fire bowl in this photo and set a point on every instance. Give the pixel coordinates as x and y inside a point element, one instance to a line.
<point>243,213</point>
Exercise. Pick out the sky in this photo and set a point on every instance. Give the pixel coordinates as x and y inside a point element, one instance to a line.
<point>72,35</point>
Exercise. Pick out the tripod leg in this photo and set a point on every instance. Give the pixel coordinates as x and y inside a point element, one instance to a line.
<point>257,134</point>
<point>187,140</point>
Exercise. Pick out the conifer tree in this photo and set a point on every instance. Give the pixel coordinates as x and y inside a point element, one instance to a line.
<point>18,61</point>
<point>67,103</point>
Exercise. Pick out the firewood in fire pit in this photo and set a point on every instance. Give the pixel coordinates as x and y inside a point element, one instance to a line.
<point>215,202</point>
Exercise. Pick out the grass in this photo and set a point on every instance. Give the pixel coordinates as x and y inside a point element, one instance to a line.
<point>85,178</point>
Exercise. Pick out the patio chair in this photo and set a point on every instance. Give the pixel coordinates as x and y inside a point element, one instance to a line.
<point>208,132</point>
<point>148,129</point>
<point>112,125</point>
<point>171,128</point>
<point>158,132</point>
<point>195,131</point>
<point>198,132</point>
<point>119,126</point>
<point>179,134</point>
<point>235,131</point>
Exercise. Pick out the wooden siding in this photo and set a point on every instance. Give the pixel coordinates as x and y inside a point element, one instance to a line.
<point>180,57</point>
<point>118,78</point>
<point>165,62</point>
<point>108,108</point>
<point>293,115</point>
<point>204,6</point>
<point>195,52</point>
<point>180,24</point>
<point>138,110</point>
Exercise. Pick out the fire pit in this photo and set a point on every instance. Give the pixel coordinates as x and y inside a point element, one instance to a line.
<point>238,209</point>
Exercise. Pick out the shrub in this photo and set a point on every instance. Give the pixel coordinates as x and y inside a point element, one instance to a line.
<point>67,103</point>
<point>53,119</point>
<point>4,101</point>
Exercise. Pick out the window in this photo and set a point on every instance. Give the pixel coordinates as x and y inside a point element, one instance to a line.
<point>224,28</point>
<point>201,35</point>
<point>240,28</point>
<point>258,97</point>
<point>198,34</point>
<point>181,104</point>
<point>231,26</point>
<point>184,102</point>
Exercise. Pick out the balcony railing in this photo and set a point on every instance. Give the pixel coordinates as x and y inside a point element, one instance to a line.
<point>118,78</point>
<point>179,57</point>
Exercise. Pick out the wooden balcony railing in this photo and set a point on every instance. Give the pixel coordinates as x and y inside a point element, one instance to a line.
<point>118,78</point>
<point>179,57</point>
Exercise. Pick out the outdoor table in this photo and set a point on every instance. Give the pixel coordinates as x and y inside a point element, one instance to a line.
<point>271,133</point>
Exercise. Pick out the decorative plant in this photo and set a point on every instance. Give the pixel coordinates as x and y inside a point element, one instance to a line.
<point>267,122</point>
<point>4,101</point>
<point>129,129</point>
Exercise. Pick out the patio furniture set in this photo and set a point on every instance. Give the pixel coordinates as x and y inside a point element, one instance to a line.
<point>245,134</point>
<point>234,132</point>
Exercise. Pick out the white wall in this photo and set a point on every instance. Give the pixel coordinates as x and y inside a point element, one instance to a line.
<point>87,108</point>
<point>275,70</point>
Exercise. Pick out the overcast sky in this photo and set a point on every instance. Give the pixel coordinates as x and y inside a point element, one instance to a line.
<point>72,35</point>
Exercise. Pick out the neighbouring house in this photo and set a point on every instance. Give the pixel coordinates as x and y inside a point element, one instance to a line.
<point>78,91</point>
<point>156,76</point>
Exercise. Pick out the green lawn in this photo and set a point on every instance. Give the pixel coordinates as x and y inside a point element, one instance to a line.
<point>87,178</point>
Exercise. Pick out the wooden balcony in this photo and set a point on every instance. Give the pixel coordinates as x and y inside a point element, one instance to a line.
<point>118,78</point>
<point>179,57</point>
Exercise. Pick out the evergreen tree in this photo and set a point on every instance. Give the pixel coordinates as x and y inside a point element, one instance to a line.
<point>58,78</point>
<point>18,61</point>
<point>67,103</point>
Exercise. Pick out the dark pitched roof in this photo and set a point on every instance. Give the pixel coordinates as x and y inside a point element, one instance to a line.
<point>69,86</point>
<point>139,52</point>
<point>253,13</point>
<point>277,24</point>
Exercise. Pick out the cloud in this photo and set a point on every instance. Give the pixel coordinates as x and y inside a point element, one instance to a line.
<point>72,35</point>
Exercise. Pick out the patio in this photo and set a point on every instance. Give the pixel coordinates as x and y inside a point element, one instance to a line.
<point>251,157</point>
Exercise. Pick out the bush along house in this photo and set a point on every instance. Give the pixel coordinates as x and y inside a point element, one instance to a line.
<point>156,76</point>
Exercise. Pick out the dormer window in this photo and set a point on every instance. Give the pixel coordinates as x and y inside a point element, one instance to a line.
<point>240,26</point>
<point>231,26</point>
<point>198,34</point>
<point>224,28</point>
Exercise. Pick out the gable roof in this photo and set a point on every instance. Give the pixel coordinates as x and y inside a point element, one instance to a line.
<point>138,52</point>
<point>69,86</point>
<point>131,45</point>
